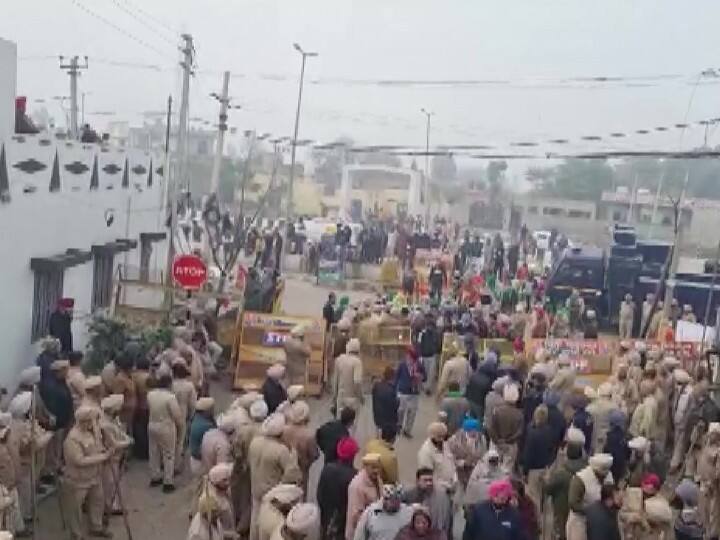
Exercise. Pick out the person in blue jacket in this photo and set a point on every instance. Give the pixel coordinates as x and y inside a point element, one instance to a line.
<point>495,519</point>
<point>409,377</point>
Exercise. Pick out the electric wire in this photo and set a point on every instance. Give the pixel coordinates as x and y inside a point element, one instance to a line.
<point>152,28</point>
<point>122,31</point>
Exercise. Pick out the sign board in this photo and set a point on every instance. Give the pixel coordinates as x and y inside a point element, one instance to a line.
<point>329,272</point>
<point>189,271</point>
<point>587,356</point>
<point>262,337</point>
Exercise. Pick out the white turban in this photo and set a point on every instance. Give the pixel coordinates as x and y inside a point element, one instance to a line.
<point>670,362</point>
<point>298,331</point>
<point>246,400</point>
<point>638,443</point>
<point>258,410</point>
<point>93,382</point>
<point>294,391</point>
<point>344,324</point>
<point>511,393</point>
<point>601,462</point>
<point>204,404</point>
<point>226,423</point>
<point>276,371</point>
<point>681,376</point>
<point>590,393</point>
<point>575,436</point>
<point>299,412</point>
<point>220,473</point>
<point>284,493</point>
<point>20,405</point>
<point>353,346</point>
<point>605,390</point>
<point>30,376</point>
<point>113,402</point>
<point>304,518</point>
<point>273,425</point>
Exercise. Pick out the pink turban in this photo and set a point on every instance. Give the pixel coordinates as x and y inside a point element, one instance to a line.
<point>500,487</point>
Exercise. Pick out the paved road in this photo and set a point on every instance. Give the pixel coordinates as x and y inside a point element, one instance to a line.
<point>156,516</point>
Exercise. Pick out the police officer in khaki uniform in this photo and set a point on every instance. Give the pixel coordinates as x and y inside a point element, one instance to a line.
<point>348,377</point>
<point>163,426</point>
<point>84,458</point>
<point>297,353</point>
<point>116,441</point>
<point>184,390</point>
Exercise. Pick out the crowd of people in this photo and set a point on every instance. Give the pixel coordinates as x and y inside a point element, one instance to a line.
<point>518,449</point>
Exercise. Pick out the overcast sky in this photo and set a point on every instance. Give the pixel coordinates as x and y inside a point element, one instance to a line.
<point>527,52</point>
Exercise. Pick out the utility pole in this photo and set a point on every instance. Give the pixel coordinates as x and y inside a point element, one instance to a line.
<point>164,192</point>
<point>74,68</point>
<point>224,101</point>
<point>426,183</point>
<point>188,51</point>
<point>290,206</point>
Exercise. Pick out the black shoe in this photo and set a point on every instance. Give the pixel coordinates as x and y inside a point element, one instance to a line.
<point>155,483</point>
<point>25,533</point>
<point>101,534</point>
<point>168,488</point>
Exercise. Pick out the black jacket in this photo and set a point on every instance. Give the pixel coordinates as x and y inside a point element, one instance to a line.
<point>616,446</point>
<point>480,384</point>
<point>602,522</point>
<point>486,523</point>
<point>327,437</point>
<point>60,327</point>
<point>538,451</point>
<point>429,342</point>
<point>558,425</point>
<point>332,498</point>
<point>385,404</point>
<point>58,400</point>
<point>328,315</point>
<point>273,393</point>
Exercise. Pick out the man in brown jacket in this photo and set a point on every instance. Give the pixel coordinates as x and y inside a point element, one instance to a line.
<point>240,479</point>
<point>506,425</point>
<point>297,353</point>
<point>84,457</point>
<point>298,436</point>
<point>271,463</point>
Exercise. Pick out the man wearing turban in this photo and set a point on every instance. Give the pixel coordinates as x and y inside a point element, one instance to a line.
<point>271,463</point>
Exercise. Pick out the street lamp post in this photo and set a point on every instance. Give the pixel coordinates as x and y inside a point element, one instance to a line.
<point>426,183</point>
<point>305,55</point>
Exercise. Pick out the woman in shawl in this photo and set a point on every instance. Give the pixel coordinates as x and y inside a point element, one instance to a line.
<point>420,527</point>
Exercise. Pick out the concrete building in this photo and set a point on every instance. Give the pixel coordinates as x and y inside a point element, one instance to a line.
<point>151,136</point>
<point>578,219</point>
<point>8,87</point>
<point>71,215</point>
<point>379,189</point>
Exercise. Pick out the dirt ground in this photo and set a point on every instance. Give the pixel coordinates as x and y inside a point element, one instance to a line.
<point>157,516</point>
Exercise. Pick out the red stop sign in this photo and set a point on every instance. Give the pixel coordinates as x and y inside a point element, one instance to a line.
<point>189,271</point>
